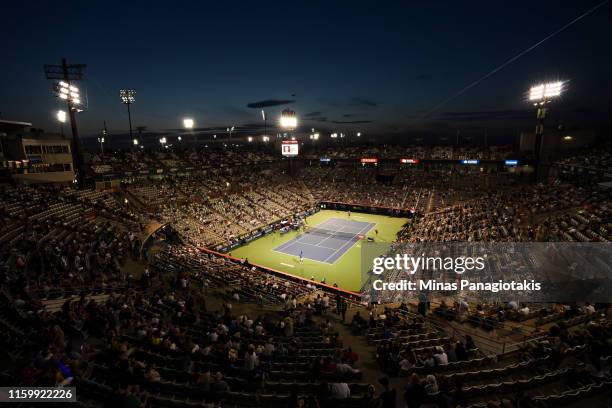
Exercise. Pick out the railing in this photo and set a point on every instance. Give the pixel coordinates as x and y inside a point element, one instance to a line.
<point>323,286</point>
<point>503,347</point>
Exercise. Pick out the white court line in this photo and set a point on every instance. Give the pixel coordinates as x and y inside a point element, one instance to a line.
<point>331,236</point>
<point>331,222</point>
<point>303,243</point>
<point>286,264</point>
<point>369,226</point>
<point>291,242</point>
<point>284,247</point>
<point>341,227</point>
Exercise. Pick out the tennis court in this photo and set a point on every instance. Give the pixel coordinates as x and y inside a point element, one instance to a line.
<point>327,241</point>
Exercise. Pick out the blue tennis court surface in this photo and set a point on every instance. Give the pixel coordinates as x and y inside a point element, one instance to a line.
<point>328,241</point>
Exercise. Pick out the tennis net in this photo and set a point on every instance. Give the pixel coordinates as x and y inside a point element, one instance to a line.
<point>326,232</point>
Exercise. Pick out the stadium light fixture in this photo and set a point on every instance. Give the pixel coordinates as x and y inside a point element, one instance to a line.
<point>250,139</point>
<point>61,116</point>
<point>101,141</point>
<point>188,123</point>
<point>70,94</point>
<point>135,142</point>
<point>334,135</point>
<point>180,138</point>
<point>288,119</point>
<point>128,96</point>
<point>568,138</point>
<point>358,134</point>
<point>266,139</point>
<point>545,92</point>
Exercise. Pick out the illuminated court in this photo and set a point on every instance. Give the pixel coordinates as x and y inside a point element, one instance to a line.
<point>328,241</point>
<point>331,246</point>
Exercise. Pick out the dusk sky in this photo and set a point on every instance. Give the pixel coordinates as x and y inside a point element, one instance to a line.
<point>377,67</point>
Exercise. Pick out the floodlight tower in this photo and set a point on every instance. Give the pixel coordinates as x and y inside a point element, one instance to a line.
<point>66,91</point>
<point>541,95</point>
<point>288,121</point>
<point>314,135</point>
<point>188,124</point>
<point>102,140</point>
<point>128,97</point>
<point>230,130</point>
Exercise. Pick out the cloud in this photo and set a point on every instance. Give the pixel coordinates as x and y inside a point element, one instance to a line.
<point>353,102</point>
<point>354,115</point>
<point>312,114</point>
<point>270,102</point>
<point>360,101</point>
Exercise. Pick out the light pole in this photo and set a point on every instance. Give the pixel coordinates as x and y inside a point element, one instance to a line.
<point>188,124</point>
<point>288,121</point>
<point>101,141</point>
<point>70,94</point>
<point>541,95</point>
<point>139,139</point>
<point>314,135</point>
<point>66,91</point>
<point>128,97</point>
<point>61,118</point>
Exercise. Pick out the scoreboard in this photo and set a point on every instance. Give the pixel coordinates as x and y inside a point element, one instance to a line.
<point>289,148</point>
